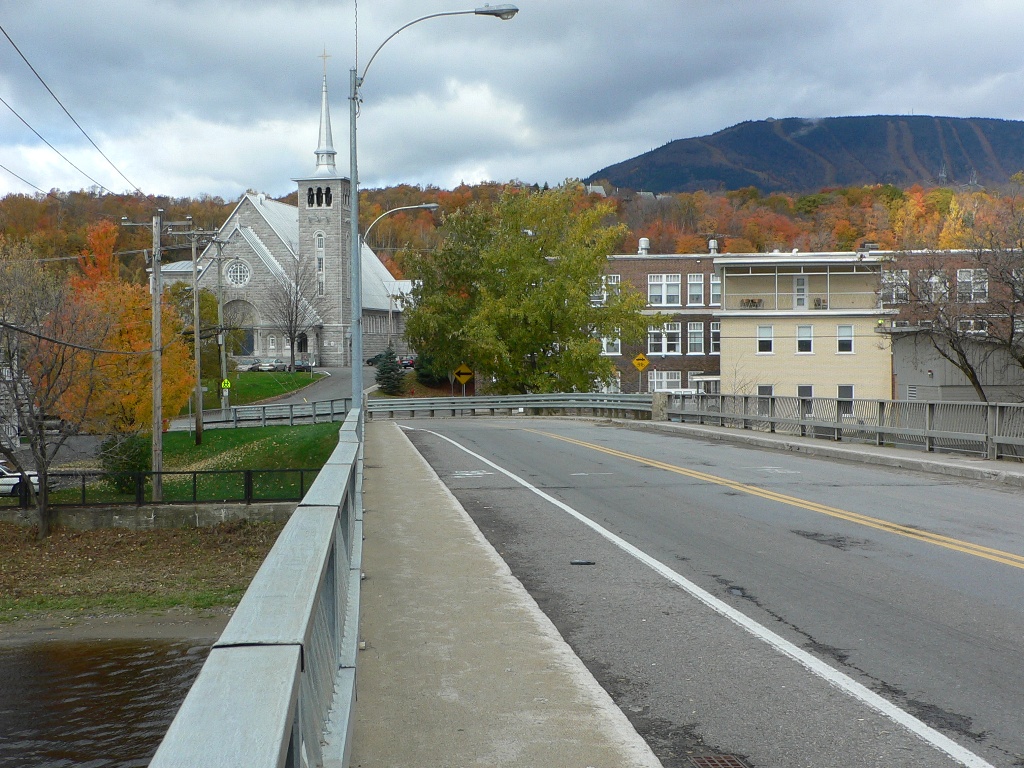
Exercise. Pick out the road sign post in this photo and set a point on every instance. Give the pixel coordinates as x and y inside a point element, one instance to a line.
<point>462,375</point>
<point>640,362</point>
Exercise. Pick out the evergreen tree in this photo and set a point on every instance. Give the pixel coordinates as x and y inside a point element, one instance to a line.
<point>390,376</point>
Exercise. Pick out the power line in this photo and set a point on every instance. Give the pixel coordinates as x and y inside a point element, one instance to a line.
<point>90,178</point>
<point>26,181</point>
<point>50,91</point>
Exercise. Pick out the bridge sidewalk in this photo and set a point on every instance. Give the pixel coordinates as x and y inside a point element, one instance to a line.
<point>461,667</point>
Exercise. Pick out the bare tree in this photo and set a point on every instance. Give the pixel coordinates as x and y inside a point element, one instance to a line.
<point>48,343</point>
<point>293,303</point>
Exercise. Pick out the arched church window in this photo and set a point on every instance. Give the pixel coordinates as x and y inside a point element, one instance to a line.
<point>238,273</point>
<point>319,196</point>
<point>327,197</point>
<point>309,197</point>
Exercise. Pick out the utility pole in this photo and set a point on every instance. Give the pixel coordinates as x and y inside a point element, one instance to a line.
<point>222,341</point>
<point>156,287</point>
<point>193,235</point>
<point>158,371</point>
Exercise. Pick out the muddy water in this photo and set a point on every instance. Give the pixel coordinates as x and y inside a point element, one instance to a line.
<point>102,704</point>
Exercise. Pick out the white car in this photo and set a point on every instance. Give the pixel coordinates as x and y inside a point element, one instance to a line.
<point>10,481</point>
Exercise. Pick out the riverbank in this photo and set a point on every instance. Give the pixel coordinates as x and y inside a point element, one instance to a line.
<point>180,583</point>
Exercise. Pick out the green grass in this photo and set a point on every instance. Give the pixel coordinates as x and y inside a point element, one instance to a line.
<point>252,386</point>
<point>254,448</point>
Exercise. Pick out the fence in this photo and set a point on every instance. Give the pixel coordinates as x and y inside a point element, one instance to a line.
<point>993,430</point>
<point>244,486</point>
<point>278,687</point>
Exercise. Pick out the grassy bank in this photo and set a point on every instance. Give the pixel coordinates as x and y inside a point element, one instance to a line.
<point>116,571</point>
<point>254,386</point>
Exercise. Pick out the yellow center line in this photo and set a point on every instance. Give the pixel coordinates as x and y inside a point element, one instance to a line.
<point>996,555</point>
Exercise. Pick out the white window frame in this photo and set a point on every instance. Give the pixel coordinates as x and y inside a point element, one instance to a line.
<point>844,400</point>
<point>842,337</point>
<point>238,273</point>
<point>934,286</point>
<point>659,381</point>
<point>660,290</point>
<point>716,290</point>
<point>695,289</point>
<point>801,286</point>
<point>971,286</point>
<point>271,343</point>
<point>805,333</point>
<point>609,287</point>
<point>765,340</point>
<point>896,286</point>
<point>611,346</point>
<point>695,338</point>
<point>666,339</point>
<point>716,338</point>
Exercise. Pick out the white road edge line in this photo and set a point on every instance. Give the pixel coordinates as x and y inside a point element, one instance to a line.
<point>834,677</point>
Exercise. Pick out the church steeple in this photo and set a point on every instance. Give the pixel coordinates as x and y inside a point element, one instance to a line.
<point>325,148</point>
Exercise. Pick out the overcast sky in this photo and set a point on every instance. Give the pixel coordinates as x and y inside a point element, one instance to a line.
<point>191,97</point>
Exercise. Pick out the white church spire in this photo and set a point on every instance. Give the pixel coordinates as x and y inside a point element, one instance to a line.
<point>325,148</point>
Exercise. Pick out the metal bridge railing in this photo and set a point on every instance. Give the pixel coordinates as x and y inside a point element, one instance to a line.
<point>575,403</point>
<point>278,687</point>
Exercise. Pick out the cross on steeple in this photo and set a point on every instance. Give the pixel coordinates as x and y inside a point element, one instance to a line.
<point>325,56</point>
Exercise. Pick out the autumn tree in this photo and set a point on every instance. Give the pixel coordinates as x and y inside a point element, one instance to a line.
<point>123,369</point>
<point>510,293</point>
<point>49,345</point>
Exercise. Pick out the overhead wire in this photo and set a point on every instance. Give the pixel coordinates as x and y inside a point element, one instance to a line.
<point>49,90</point>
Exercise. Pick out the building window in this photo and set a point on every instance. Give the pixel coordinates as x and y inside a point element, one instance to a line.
<point>320,242</point>
<point>844,339</point>
<point>609,287</point>
<point>716,290</point>
<point>695,338</point>
<point>971,286</point>
<point>272,343</point>
<point>844,396</point>
<point>765,337</point>
<point>666,340</point>
<point>659,381</point>
<point>896,286</point>
<point>934,286</point>
<point>611,345</point>
<point>804,339</point>
<point>695,289</point>
<point>716,338</point>
<point>238,273</point>
<point>974,326</point>
<point>765,393</point>
<point>663,290</point>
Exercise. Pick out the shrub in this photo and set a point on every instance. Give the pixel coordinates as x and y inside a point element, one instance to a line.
<point>122,456</point>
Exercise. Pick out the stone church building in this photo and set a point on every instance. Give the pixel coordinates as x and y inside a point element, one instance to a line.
<point>266,247</point>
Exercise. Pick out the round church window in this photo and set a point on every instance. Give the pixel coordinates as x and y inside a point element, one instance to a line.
<point>238,273</point>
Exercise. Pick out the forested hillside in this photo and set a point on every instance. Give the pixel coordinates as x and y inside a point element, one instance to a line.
<point>742,221</point>
<point>798,155</point>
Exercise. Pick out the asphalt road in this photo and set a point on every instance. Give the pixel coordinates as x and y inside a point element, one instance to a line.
<point>851,581</point>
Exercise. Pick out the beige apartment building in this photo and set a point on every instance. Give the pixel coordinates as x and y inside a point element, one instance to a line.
<point>804,324</point>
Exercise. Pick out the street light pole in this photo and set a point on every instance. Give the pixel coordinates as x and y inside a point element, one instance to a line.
<point>158,379</point>
<point>503,12</point>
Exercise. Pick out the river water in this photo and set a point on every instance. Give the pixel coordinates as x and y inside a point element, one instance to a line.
<point>91,704</point>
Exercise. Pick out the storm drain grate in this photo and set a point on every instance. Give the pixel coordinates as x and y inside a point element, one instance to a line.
<point>718,761</point>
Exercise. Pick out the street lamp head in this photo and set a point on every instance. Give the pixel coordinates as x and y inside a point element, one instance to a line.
<point>503,12</point>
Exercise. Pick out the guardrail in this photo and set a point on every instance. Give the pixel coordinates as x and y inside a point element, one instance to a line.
<point>278,687</point>
<point>993,430</point>
<point>578,403</point>
<point>289,414</point>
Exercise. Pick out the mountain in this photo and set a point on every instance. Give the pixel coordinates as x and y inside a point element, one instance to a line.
<point>799,155</point>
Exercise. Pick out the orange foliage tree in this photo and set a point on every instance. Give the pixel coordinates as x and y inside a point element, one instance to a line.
<point>123,370</point>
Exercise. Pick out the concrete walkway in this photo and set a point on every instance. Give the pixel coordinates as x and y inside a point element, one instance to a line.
<point>461,668</point>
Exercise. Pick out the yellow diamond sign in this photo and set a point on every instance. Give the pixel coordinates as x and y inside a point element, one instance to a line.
<point>463,374</point>
<point>640,361</point>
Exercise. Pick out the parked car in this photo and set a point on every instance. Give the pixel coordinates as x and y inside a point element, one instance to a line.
<point>277,364</point>
<point>375,359</point>
<point>246,363</point>
<point>303,366</point>
<point>10,481</point>
<point>407,361</point>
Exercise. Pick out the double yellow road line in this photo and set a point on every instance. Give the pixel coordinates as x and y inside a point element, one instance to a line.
<point>995,555</point>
